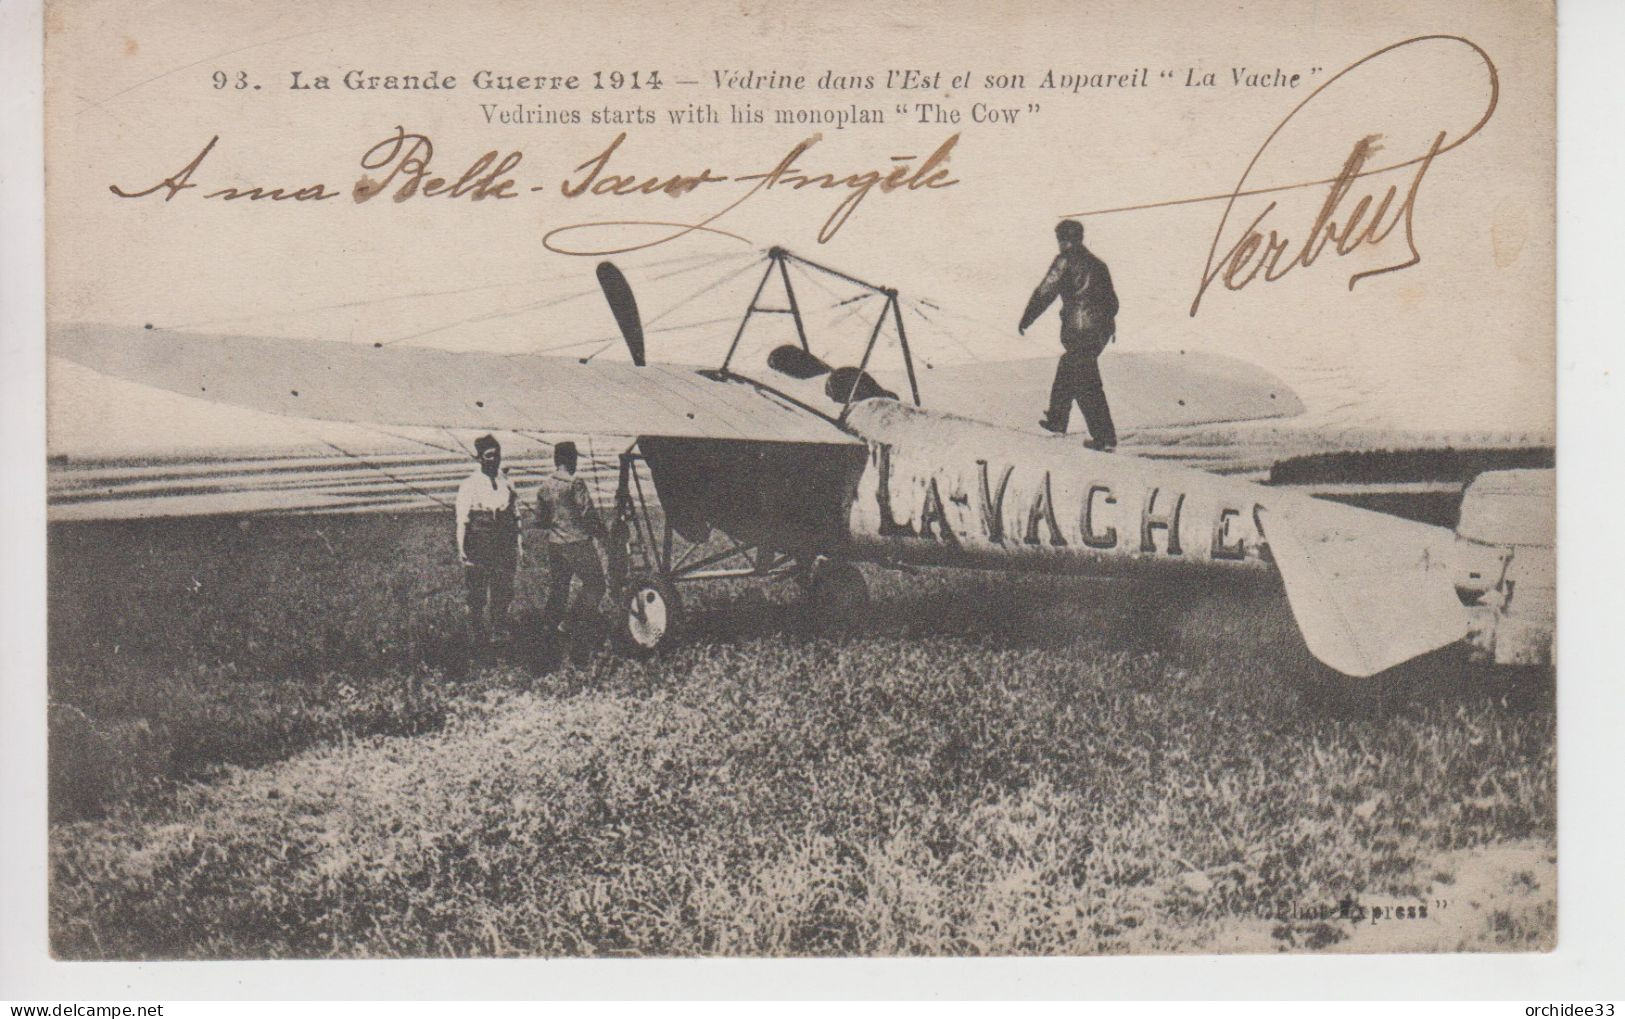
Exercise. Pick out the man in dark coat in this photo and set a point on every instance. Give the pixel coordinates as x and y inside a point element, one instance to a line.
<point>1088,323</point>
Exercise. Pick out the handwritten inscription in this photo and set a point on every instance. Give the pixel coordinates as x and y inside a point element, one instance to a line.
<point>1356,211</point>
<point>1342,222</point>
<point>181,181</point>
<point>929,175</point>
<point>1257,253</point>
<point>403,165</point>
<point>1369,203</point>
<point>404,159</point>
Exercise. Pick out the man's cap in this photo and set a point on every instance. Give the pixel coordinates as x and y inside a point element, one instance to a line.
<point>565,452</point>
<point>484,443</point>
<point>1069,230</point>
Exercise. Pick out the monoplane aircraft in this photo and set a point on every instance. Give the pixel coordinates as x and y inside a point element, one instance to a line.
<point>779,462</point>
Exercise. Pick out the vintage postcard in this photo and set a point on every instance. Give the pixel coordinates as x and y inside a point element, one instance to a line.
<point>819,479</point>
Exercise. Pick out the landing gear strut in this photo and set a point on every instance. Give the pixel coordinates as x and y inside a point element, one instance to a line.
<point>648,560</point>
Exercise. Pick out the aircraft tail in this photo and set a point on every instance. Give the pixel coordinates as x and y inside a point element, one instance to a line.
<point>1513,514</point>
<point>1368,592</point>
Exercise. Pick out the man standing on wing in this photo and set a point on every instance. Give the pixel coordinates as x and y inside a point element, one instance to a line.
<point>1088,323</point>
<point>569,523</point>
<point>488,540</point>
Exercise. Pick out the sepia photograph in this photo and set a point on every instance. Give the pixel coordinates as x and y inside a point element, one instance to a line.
<point>803,480</point>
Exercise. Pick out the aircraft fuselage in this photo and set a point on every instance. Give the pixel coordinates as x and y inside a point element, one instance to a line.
<point>937,489</point>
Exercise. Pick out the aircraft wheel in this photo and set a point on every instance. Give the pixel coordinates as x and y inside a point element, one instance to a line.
<point>647,615</point>
<point>838,593</point>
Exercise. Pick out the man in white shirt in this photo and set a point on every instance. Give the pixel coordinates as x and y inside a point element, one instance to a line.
<point>488,540</point>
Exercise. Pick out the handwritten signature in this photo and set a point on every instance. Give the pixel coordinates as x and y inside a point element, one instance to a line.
<point>1349,218</point>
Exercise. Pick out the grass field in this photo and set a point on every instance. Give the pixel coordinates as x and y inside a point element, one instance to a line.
<point>265,743</point>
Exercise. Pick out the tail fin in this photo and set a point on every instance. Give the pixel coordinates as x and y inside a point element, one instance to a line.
<point>1368,591</point>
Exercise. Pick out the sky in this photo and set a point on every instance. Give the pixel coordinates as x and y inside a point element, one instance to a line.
<point>1460,341</point>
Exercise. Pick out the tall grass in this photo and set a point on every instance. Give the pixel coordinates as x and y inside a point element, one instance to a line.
<point>983,764</point>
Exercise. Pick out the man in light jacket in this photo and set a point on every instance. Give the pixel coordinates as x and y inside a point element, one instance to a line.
<point>570,525</point>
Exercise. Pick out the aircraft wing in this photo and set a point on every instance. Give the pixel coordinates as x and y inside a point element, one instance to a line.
<point>1229,417</point>
<point>417,386</point>
<point>1417,475</point>
<point>1147,389</point>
